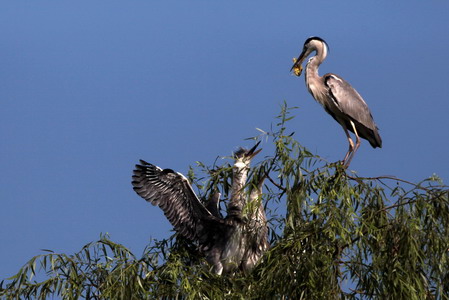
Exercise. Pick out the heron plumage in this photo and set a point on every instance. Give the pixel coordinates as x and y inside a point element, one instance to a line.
<point>352,105</point>
<point>172,192</point>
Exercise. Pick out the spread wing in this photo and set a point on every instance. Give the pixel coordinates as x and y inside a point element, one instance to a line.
<point>172,192</point>
<point>352,104</point>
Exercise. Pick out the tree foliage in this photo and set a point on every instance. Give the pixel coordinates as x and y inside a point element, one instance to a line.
<point>341,236</point>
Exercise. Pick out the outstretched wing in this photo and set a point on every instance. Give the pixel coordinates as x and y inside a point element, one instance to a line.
<point>350,103</point>
<point>172,192</point>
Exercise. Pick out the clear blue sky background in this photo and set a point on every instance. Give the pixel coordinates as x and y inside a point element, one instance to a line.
<point>89,87</point>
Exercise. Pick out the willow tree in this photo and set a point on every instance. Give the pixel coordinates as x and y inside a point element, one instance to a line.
<point>333,235</point>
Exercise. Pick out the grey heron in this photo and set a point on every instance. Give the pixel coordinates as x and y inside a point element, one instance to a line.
<point>237,241</point>
<point>338,98</point>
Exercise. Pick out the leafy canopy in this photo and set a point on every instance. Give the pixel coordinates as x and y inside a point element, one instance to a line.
<point>340,236</point>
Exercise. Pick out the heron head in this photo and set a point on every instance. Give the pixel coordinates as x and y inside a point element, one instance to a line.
<point>243,156</point>
<point>311,44</point>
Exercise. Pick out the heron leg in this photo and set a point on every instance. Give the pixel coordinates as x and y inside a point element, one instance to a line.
<point>351,147</point>
<point>357,144</point>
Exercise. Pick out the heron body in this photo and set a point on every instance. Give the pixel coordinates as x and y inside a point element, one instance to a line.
<point>230,243</point>
<point>338,98</point>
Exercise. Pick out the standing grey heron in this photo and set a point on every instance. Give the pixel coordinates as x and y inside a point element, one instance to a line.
<point>237,241</point>
<point>338,98</point>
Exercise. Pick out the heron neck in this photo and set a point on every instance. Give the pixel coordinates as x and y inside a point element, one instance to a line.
<point>313,80</point>
<point>239,178</point>
<point>313,64</point>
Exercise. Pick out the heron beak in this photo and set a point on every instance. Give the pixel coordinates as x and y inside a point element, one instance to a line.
<point>253,152</point>
<point>297,67</point>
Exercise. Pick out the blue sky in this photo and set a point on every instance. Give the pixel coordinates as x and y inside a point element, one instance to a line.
<point>88,88</point>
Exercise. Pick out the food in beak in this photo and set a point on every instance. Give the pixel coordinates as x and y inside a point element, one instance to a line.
<point>297,68</point>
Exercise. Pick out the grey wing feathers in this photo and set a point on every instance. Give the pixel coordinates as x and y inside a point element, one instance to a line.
<point>213,205</point>
<point>174,195</point>
<point>352,104</point>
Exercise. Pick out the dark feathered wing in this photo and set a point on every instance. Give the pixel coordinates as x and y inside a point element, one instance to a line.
<point>352,104</point>
<point>172,192</point>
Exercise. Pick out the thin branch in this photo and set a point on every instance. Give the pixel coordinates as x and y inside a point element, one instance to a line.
<point>378,178</point>
<point>275,183</point>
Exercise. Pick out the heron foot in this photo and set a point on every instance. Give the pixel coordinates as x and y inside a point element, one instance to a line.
<point>344,164</point>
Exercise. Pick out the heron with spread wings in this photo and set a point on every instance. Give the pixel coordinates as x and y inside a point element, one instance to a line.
<point>237,241</point>
<point>338,98</point>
